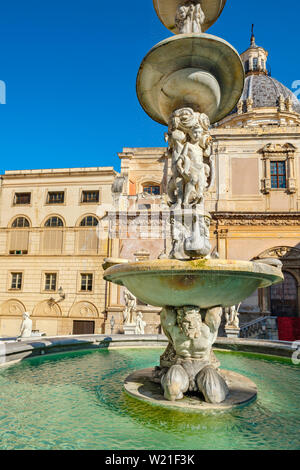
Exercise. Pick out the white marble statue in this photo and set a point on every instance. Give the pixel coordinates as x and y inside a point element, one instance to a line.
<point>26,327</point>
<point>130,306</point>
<point>190,151</point>
<point>140,324</point>
<point>189,354</point>
<point>189,17</point>
<point>232,317</point>
<point>192,174</point>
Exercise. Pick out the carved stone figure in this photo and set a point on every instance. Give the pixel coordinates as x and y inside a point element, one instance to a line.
<point>192,174</point>
<point>198,244</point>
<point>249,104</point>
<point>130,306</point>
<point>26,327</point>
<point>232,317</point>
<point>190,150</point>
<point>140,324</point>
<point>192,368</point>
<point>240,107</point>
<point>190,17</point>
<point>281,103</point>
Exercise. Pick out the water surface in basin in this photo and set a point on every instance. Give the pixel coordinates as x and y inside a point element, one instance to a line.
<point>75,401</point>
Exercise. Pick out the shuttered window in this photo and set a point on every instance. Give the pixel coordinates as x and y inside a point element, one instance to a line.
<point>87,241</point>
<point>52,241</point>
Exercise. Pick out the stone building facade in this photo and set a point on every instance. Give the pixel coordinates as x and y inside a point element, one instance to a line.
<point>58,226</point>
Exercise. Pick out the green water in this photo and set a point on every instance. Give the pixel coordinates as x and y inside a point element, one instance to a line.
<point>75,401</point>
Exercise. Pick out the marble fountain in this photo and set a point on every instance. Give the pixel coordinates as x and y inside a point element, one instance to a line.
<point>189,82</point>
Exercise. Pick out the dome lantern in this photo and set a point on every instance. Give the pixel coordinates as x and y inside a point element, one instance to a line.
<point>255,58</point>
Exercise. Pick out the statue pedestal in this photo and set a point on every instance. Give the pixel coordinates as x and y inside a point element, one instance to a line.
<point>129,329</point>
<point>232,332</point>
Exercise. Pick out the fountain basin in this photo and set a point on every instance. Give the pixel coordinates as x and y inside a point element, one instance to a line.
<point>195,62</point>
<point>166,11</point>
<point>204,283</point>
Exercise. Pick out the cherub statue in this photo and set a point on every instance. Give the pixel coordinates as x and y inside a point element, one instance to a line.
<point>189,144</point>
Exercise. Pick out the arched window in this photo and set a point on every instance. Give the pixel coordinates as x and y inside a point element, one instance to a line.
<point>54,222</point>
<point>152,189</point>
<point>87,236</point>
<point>53,239</point>
<point>20,222</point>
<point>89,221</point>
<point>18,243</point>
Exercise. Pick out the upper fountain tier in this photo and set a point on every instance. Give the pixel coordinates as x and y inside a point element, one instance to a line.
<point>188,16</point>
<point>195,70</point>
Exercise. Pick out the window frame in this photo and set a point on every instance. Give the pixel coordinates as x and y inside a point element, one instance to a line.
<point>50,282</point>
<point>58,217</point>
<point>151,185</point>
<point>15,203</point>
<point>86,291</point>
<point>87,217</point>
<point>20,217</point>
<point>10,286</point>
<point>86,191</point>
<point>53,203</point>
<point>277,174</point>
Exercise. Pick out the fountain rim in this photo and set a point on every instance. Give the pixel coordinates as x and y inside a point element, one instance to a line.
<point>268,274</point>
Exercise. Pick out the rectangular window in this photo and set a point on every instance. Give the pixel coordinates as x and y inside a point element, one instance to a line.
<point>22,198</point>
<point>278,175</point>
<point>86,282</point>
<point>50,281</point>
<point>255,63</point>
<point>57,197</point>
<point>152,189</point>
<point>16,281</point>
<point>90,197</point>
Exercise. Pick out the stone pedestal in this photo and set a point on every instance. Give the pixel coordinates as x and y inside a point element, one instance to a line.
<point>232,332</point>
<point>129,329</point>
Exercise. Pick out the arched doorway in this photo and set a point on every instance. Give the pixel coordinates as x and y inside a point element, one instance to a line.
<point>284,297</point>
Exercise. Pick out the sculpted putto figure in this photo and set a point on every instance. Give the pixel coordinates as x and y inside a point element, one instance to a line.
<point>190,17</point>
<point>189,145</point>
<point>232,318</point>
<point>192,337</point>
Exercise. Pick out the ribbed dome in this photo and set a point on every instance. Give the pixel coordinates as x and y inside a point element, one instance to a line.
<point>265,92</point>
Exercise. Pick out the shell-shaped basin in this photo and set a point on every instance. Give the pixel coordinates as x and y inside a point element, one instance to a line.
<point>205,283</point>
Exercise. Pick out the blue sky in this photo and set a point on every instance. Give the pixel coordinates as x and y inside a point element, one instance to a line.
<point>70,69</point>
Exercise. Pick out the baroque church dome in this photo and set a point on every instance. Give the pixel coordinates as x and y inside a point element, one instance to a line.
<point>266,91</point>
<point>264,101</point>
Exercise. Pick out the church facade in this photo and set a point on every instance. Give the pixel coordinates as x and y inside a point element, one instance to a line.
<point>58,227</point>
